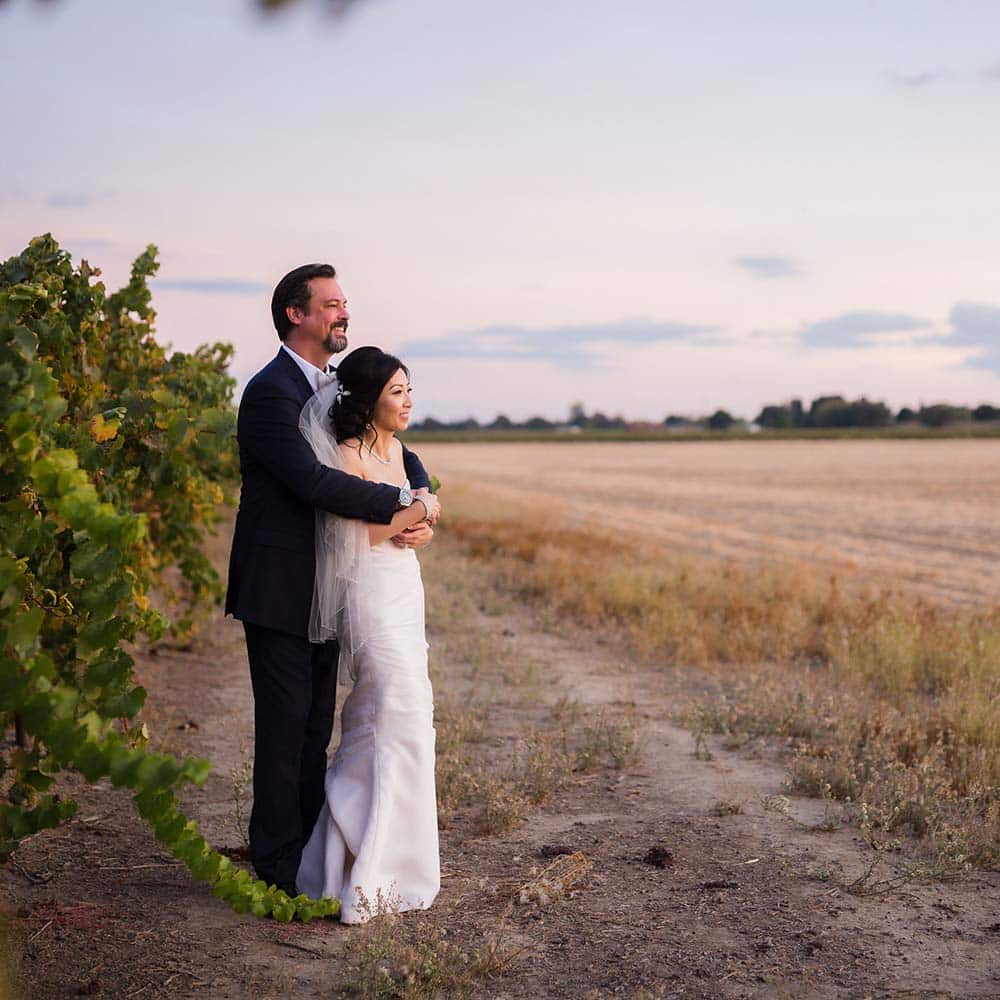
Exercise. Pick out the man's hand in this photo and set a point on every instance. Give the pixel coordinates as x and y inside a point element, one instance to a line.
<point>434,504</point>
<point>416,537</point>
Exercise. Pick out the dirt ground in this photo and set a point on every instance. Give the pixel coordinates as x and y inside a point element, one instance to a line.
<point>921,513</point>
<point>681,901</point>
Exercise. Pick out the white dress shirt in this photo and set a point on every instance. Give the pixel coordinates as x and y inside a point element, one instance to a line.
<point>316,377</point>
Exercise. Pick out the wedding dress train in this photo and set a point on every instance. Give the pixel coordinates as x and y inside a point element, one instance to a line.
<point>375,845</point>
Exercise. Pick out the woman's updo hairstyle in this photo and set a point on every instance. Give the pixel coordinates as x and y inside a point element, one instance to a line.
<point>363,375</point>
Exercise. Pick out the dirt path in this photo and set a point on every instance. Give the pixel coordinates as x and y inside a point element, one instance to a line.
<point>681,901</point>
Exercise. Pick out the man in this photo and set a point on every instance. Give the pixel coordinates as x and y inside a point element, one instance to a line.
<point>273,563</point>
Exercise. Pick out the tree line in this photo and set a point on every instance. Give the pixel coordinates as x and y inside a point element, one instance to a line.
<point>836,411</point>
<point>823,412</point>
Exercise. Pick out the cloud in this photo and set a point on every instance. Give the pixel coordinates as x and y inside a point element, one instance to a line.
<point>992,73</point>
<point>578,346</point>
<point>914,81</point>
<point>854,329</point>
<point>975,324</point>
<point>769,267</point>
<point>212,286</point>
<point>77,199</point>
<point>90,243</point>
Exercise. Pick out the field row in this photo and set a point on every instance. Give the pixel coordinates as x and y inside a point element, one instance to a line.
<point>919,513</point>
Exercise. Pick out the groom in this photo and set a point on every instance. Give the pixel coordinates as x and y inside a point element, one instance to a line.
<point>273,562</point>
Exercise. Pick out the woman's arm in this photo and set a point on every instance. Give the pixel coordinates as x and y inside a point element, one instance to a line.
<point>401,520</point>
<point>422,507</point>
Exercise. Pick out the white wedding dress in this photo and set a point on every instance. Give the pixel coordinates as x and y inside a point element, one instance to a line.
<point>375,845</point>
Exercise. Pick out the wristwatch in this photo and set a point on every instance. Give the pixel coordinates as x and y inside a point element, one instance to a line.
<point>405,497</point>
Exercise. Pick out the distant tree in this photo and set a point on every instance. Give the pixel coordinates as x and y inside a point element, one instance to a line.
<point>429,424</point>
<point>538,424</point>
<point>986,413</point>
<point>675,422</point>
<point>798,413</point>
<point>601,422</point>
<point>828,411</point>
<point>906,416</point>
<point>502,423</point>
<point>577,415</point>
<point>775,417</point>
<point>942,414</point>
<point>721,420</point>
<point>865,413</point>
<point>469,424</point>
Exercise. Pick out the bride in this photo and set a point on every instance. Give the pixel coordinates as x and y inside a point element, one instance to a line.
<point>375,845</point>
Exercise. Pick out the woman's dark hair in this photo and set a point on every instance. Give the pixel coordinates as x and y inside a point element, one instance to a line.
<point>363,375</point>
<point>293,290</point>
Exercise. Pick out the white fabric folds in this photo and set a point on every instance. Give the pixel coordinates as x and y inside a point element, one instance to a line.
<point>342,592</point>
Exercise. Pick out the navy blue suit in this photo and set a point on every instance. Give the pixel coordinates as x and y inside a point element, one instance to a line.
<point>271,573</point>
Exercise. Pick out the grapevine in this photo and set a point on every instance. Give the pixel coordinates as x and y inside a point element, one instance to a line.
<point>114,459</point>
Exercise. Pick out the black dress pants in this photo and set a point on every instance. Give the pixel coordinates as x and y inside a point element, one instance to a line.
<point>294,693</point>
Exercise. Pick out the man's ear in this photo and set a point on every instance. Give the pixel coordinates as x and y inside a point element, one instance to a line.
<point>294,314</point>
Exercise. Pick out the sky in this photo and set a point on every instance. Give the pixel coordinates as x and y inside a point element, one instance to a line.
<point>647,207</point>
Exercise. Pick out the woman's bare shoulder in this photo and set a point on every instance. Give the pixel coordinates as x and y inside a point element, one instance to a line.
<point>349,449</point>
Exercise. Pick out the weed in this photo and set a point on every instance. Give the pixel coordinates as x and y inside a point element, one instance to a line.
<point>823,872</point>
<point>397,957</point>
<point>566,711</point>
<point>541,767</point>
<point>504,805</point>
<point>726,807</point>
<point>242,777</point>
<point>778,804</point>
<point>618,738</point>
<point>555,880</point>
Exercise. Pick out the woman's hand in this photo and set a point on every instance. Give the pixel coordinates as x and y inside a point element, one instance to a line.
<point>431,502</point>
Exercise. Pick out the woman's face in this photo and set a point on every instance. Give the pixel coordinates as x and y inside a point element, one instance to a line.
<point>392,411</point>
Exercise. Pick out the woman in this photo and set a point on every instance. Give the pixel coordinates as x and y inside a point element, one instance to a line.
<point>375,845</point>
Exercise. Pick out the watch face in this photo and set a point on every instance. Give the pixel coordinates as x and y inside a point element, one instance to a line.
<point>405,497</point>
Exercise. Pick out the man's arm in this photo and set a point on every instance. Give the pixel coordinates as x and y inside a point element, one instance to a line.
<point>415,471</point>
<point>268,428</point>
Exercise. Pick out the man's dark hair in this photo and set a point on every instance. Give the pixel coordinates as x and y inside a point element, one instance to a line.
<point>293,290</point>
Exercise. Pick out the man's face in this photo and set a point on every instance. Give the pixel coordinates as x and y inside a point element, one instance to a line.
<point>325,323</point>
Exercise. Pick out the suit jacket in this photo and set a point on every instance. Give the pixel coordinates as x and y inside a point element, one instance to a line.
<point>272,565</point>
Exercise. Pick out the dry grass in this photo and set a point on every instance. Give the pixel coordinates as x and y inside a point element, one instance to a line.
<point>500,785</point>
<point>409,957</point>
<point>497,784</point>
<point>555,880</point>
<point>888,702</point>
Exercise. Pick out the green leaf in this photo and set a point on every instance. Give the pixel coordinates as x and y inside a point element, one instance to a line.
<point>26,341</point>
<point>21,633</point>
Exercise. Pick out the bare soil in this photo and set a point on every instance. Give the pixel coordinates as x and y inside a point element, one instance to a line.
<point>681,902</point>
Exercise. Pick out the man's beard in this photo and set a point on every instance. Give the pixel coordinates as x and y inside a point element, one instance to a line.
<point>336,339</point>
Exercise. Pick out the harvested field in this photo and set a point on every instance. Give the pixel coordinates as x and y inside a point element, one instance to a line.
<point>918,513</point>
